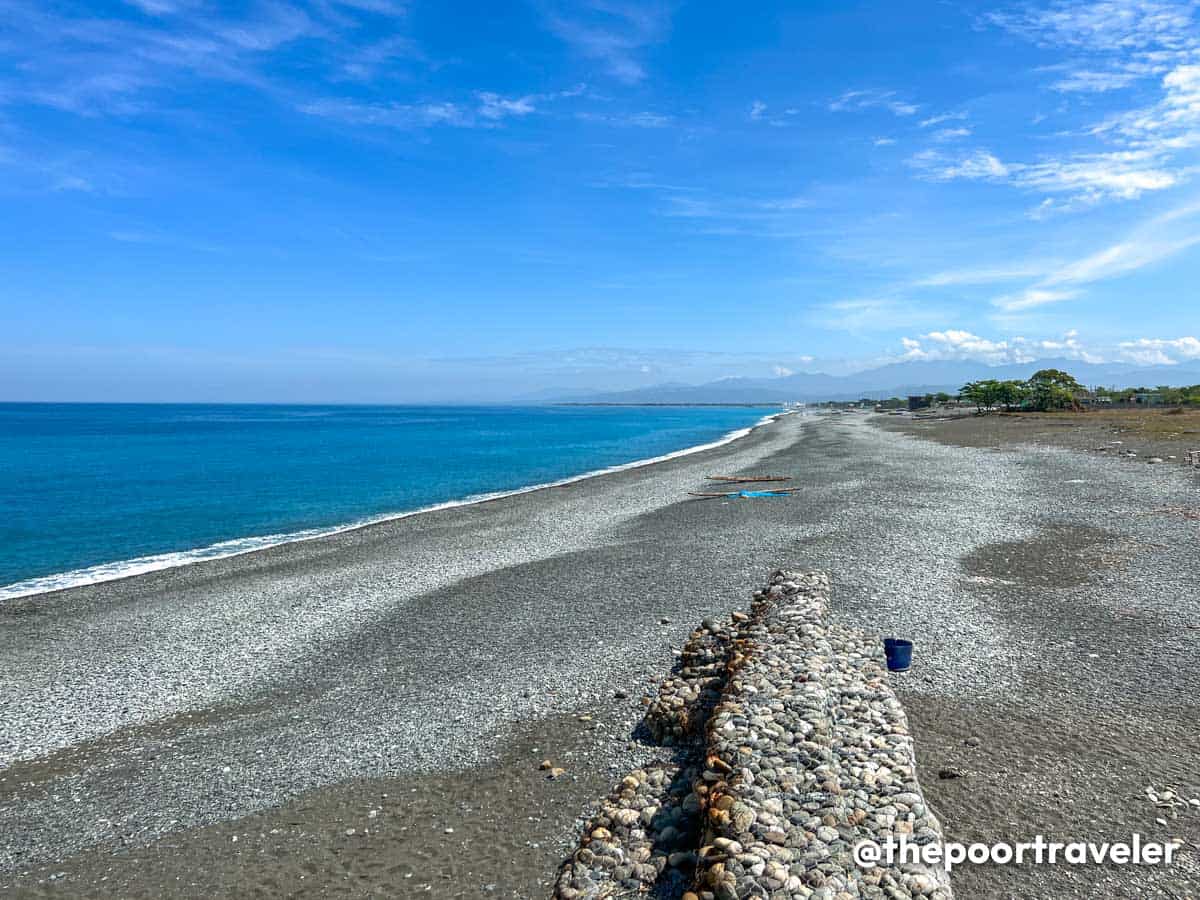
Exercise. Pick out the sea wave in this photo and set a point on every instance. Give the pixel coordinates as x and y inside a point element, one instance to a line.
<point>238,546</point>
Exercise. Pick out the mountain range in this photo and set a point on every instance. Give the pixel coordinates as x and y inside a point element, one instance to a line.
<point>892,380</point>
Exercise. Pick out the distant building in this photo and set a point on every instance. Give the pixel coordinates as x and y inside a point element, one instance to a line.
<point>922,402</point>
<point>1151,398</point>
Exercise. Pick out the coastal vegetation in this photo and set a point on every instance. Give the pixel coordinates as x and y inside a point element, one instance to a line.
<point>1044,390</point>
<point>1049,390</point>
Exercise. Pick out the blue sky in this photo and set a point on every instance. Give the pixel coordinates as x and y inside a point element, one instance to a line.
<point>380,200</point>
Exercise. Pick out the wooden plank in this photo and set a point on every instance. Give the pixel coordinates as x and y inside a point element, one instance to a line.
<point>748,479</point>
<point>736,493</point>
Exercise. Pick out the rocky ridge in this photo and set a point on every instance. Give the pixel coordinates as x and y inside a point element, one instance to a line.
<point>787,748</point>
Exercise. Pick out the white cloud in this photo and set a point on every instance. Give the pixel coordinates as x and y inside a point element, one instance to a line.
<point>951,134</point>
<point>787,203</point>
<point>493,106</point>
<point>954,344</point>
<point>985,274</point>
<point>156,7</point>
<point>1168,125</point>
<point>1113,45</point>
<point>856,100</point>
<point>865,314</point>
<point>691,208</point>
<point>489,110</point>
<point>390,115</point>
<point>1092,178</point>
<point>782,371</point>
<point>1085,179</point>
<point>94,65</point>
<point>613,32</point>
<point>1148,245</point>
<point>1034,296</point>
<point>1104,26</point>
<point>1160,352</point>
<point>1156,240</point>
<point>626,120</point>
<point>980,164</point>
<point>939,119</point>
<point>964,345</point>
<point>1093,82</point>
<point>883,141</point>
<point>757,108</point>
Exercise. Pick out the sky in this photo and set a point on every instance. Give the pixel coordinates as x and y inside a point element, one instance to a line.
<point>389,201</point>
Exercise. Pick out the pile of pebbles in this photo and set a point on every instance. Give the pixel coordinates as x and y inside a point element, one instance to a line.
<point>678,714</point>
<point>790,747</point>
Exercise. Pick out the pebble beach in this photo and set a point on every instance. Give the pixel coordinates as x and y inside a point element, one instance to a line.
<point>366,714</point>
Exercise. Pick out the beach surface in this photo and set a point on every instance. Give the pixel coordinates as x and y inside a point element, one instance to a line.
<point>365,714</point>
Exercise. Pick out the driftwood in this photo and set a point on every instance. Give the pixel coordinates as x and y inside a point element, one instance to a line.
<point>748,479</point>
<point>776,492</point>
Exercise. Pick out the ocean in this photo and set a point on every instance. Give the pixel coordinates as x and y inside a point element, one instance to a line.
<point>91,492</point>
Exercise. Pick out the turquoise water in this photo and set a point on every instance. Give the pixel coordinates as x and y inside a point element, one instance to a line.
<point>115,489</point>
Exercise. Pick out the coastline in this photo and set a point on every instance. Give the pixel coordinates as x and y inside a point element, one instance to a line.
<point>366,715</point>
<point>128,568</point>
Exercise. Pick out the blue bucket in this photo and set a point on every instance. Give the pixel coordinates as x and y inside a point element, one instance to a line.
<point>898,652</point>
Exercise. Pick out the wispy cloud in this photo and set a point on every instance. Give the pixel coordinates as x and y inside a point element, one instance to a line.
<point>126,65</point>
<point>493,106</point>
<point>869,99</point>
<point>1034,296</point>
<point>488,110</point>
<point>1170,124</point>
<point>1089,81</point>
<point>770,217</point>
<point>979,164</point>
<point>1155,241</point>
<point>369,61</point>
<point>1104,26</point>
<point>985,274</point>
<point>612,33</point>
<point>874,314</point>
<point>1112,45</point>
<point>943,117</point>
<point>690,208</point>
<point>391,115</point>
<point>1146,247</point>
<point>1085,179</point>
<point>786,203</point>
<point>643,119</point>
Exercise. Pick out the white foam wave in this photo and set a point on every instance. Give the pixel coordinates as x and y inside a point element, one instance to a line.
<point>142,564</point>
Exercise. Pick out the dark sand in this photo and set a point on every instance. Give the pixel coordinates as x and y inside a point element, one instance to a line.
<point>1153,431</point>
<point>1055,674</point>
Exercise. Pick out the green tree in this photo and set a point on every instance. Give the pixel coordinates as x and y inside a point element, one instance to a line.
<point>1011,393</point>
<point>985,394</point>
<point>1053,389</point>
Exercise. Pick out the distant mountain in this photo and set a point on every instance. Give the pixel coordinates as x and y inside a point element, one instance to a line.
<point>893,380</point>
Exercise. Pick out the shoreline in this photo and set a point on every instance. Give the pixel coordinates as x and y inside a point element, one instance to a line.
<point>117,570</point>
<point>368,714</point>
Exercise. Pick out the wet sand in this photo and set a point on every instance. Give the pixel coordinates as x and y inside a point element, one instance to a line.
<point>278,697</point>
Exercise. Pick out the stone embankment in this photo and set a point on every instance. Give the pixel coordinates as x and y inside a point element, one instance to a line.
<point>785,746</point>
